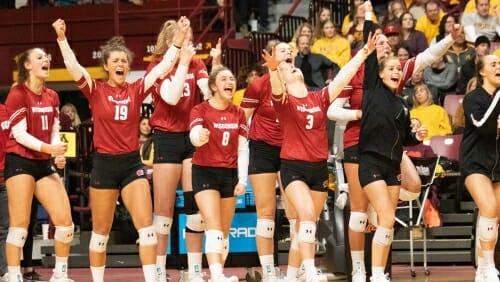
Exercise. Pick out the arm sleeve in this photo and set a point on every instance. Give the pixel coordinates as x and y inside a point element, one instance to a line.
<point>337,112</point>
<point>163,67</point>
<point>432,53</point>
<point>371,62</point>
<point>194,136</point>
<point>205,90</point>
<point>20,133</point>
<point>346,73</point>
<point>171,90</point>
<point>276,84</point>
<point>243,160</point>
<point>71,63</point>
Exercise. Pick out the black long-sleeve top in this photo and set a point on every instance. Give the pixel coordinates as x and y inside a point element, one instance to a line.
<point>480,144</point>
<point>385,125</point>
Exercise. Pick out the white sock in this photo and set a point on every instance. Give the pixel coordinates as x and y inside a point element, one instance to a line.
<point>267,263</point>
<point>291,273</point>
<point>308,265</point>
<point>61,267</point>
<point>15,273</point>
<point>161,262</point>
<point>488,258</point>
<point>149,271</point>
<point>194,262</point>
<point>358,260</point>
<point>215,270</point>
<point>377,271</point>
<point>97,273</point>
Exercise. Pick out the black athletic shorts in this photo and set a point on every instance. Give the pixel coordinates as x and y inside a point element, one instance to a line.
<point>351,154</point>
<point>116,171</point>
<point>373,167</point>
<point>264,158</point>
<point>314,174</point>
<point>221,179</point>
<point>172,147</point>
<point>16,165</point>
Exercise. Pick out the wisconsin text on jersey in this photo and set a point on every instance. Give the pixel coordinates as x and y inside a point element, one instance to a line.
<point>42,109</point>
<point>225,125</point>
<point>302,108</point>
<point>119,102</point>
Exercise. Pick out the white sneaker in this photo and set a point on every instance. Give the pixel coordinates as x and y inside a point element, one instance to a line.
<point>272,278</point>
<point>358,275</point>
<point>317,276</point>
<point>5,278</point>
<point>60,279</point>
<point>380,278</point>
<point>161,275</point>
<point>490,274</point>
<point>479,275</point>
<point>193,277</point>
<point>222,278</point>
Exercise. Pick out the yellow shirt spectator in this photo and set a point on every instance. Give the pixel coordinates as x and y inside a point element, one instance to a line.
<point>429,28</point>
<point>471,6</point>
<point>238,96</point>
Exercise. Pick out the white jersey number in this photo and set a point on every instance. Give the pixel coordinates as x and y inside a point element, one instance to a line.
<point>310,121</point>
<point>225,138</point>
<point>121,112</point>
<point>45,122</point>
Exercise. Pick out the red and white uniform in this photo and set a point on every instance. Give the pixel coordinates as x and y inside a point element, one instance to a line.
<point>4,135</point>
<point>175,118</point>
<point>225,128</point>
<point>40,111</point>
<point>116,113</point>
<point>265,125</point>
<point>407,67</point>
<point>303,123</point>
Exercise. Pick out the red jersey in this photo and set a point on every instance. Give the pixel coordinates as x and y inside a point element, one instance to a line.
<point>4,135</point>
<point>39,110</point>
<point>354,91</point>
<point>303,122</point>
<point>225,127</point>
<point>176,118</point>
<point>116,113</point>
<point>407,67</point>
<point>265,124</point>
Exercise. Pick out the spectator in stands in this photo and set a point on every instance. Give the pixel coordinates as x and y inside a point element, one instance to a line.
<point>482,48</point>
<point>445,27</point>
<point>146,146</point>
<point>402,52</point>
<point>395,9</point>
<point>241,16</point>
<point>246,75</point>
<point>429,24</point>
<point>432,116</point>
<point>412,38</point>
<point>332,45</point>
<point>460,53</point>
<point>348,22</point>
<point>303,29</point>
<point>470,7</point>
<point>417,8</point>
<point>220,165</point>
<point>442,75</point>
<point>393,36</point>
<point>458,124</point>
<point>409,88</point>
<point>323,15</point>
<point>317,69</point>
<point>70,110</point>
<point>117,148</point>
<point>355,32</point>
<point>479,161</point>
<point>481,22</point>
<point>452,7</point>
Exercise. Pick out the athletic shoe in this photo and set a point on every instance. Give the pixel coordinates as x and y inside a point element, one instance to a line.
<point>191,277</point>
<point>490,274</point>
<point>317,276</point>
<point>4,278</point>
<point>32,276</point>
<point>380,278</point>
<point>358,275</point>
<point>222,278</point>
<point>60,279</point>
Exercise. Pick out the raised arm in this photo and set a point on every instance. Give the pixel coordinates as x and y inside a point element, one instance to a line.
<point>371,62</point>
<point>70,61</point>
<point>170,56</point>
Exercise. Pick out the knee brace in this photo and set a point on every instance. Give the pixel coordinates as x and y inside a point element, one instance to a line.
<point>405,195</point>
<point>17,236</point>
<point>98,242</point>
<point>195,223</point>
<point>213,241</point>
<point>383,236</point>
<point>190,206</point>
<point>307,232</point>
<point>162,224</point>
<point>358,221</point>
<point>147,236</point>
<point>487,228</point>
<point>64,234</point>
<point>265,228</point>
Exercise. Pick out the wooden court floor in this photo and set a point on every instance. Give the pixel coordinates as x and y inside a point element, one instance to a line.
<point>400,273</point>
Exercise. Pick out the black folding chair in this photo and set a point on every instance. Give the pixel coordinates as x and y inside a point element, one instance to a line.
<point>235,59</point>
<point>426,168</point>
<point>288,25</point>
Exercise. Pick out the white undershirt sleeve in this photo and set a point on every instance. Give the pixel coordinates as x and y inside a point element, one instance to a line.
<point>171,90</point>
<point>20,133</point>
<point>337,112</point>
<point>243,160</point>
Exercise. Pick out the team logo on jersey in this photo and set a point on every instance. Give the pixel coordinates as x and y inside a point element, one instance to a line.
<point>5,125</point>
<point>119,102</point>
<point>325,184</point>
<point>140,172</point>
<point>303,108</point>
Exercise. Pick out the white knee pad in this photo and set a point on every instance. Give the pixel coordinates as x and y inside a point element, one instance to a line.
<point>17,236</point>
<point>147,236</point>
<point>162,224</point>
<point>358,221</point>
<point>265,228</point>
<point>307,232</point>
<point>487,228</point>
<point>195,222</point>
<point>214,241</point>
<point>98,242</point>
<point>64,234</point>
<point>405,195</point>
<point>383,236</point>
